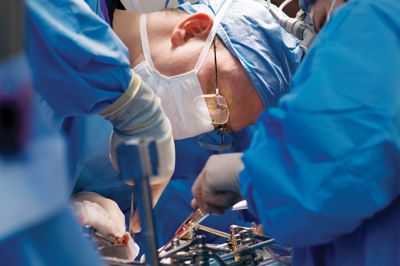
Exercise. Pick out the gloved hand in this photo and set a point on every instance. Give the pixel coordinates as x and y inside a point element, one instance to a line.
<point>217,187</point>
<point>101,213</point>
<point>138,113</point>
<point>156,191</point>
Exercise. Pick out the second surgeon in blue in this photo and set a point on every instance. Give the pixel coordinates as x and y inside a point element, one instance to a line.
<point>322,173</point>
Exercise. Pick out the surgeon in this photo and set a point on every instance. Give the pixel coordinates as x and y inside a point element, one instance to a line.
<point>322,173</point>
<point>241,84</point>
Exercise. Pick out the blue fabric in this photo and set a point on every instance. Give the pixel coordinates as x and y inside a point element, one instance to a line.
<point>68,247</point>
<point>324,165</point>
<point>78,64</point>
<point>306,4</point>
<point>104,11</point>
<point>268,53</point>
<point>34,192</point>
<point>33,168</point>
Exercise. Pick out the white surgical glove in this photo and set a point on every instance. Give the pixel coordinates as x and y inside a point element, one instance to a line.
<point>134,223</point>
<point>217,187</point>
<point>101,213</point>
<point>138,114</point>
<point>106,217</point>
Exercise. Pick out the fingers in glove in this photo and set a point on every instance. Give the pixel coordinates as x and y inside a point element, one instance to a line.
<point>205,202</point>
<point>134,224</point>
<point>222,199</point>
<point>212,209</point>
<point>197,193</point>
<point>93,214</point>
<point>218,203</point>
<point>194,204</point>
<point>207,207</point>
<point>157,190</point>
<point>116,215</point>
<point>107,212</point>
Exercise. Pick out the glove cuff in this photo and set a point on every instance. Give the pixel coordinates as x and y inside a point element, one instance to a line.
<point>124,99</point>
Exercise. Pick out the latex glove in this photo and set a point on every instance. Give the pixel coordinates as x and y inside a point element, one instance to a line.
<point>101,213</point>
<point>217,187</point>
<point>138,113</point>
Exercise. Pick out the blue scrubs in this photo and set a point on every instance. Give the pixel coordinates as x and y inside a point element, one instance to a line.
<point>323,170</point>
<point>79,65</point>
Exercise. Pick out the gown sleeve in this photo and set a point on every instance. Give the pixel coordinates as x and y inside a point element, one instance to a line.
<point>78,64</point>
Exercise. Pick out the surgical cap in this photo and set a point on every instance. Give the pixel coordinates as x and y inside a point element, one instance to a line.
<point>305,4</point>
<point>266,51</point>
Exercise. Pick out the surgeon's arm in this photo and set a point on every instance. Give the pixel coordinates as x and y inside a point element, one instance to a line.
<point>80,66</point>
<point>328,158</point>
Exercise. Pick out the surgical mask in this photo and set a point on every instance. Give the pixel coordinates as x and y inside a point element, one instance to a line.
<point>179,94</point>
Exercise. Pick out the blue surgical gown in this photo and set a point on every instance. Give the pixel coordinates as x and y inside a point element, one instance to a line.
<point>323,171</point>
<point>79,65</point>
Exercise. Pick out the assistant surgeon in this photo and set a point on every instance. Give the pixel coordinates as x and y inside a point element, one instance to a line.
<point>322,173</point>
<point>80,67</point>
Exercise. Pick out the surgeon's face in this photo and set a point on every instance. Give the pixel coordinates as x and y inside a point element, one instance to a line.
<point>321,10</point>
<point>186,41</point>
<point>245,105</point>
<point>175,43</point>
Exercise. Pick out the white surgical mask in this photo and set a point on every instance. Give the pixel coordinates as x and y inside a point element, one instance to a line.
<point>179,93</point>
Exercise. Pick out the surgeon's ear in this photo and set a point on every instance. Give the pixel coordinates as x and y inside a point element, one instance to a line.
<point>197,25</point>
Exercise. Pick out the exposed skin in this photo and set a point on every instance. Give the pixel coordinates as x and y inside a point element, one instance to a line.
<point>320,11</point>
<point>175,44</point>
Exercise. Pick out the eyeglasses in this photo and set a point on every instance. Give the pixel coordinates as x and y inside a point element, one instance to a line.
<point>217,109</point>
